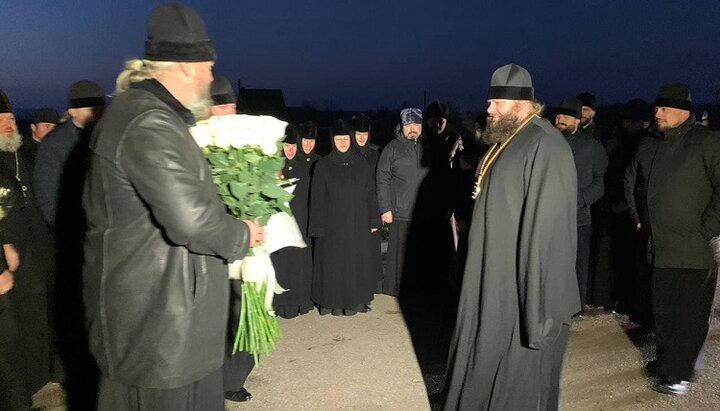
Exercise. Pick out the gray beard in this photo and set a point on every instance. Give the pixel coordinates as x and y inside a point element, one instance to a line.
<point>10,143</point>
<point>500,130</point>
<point>200,105</point>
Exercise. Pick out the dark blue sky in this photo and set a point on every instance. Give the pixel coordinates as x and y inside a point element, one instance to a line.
<point>361,55</point>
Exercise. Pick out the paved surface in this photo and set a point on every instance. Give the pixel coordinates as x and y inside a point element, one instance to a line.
<point>367,362</point>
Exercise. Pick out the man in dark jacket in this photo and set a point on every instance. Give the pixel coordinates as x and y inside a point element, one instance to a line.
<point>400,172</point>
<point>619,281</point>
<point>156,286</point>
<point>591,163</point>
<point>677,175</point>
<point>43,122</point>
<point>60,167</point>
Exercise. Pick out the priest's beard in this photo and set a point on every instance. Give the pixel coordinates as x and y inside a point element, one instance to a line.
<point>10,142</point>
<point>501,129</point>
<point>200,105</point>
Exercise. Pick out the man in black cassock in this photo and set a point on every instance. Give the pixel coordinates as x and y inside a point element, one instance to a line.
<point>519,287</point>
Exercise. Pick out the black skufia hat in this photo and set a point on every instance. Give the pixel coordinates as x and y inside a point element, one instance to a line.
<point>290,134</point>
<point>637,109</point>
<point>437,110</point>
<point>571,106</point>
<point>5,106</point>
<point>222,91</point>
<point>340,127</point>
<point>45,115</point>
<point>587,99</point>
<point>511,82</point>
<point>86,93</point>
<point>674,95</point>
<point>177,33</point>
<point>307,130</point>
<point>361,123</point>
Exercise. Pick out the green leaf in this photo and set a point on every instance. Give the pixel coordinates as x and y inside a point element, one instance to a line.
<point>218,159</point>
<point>238,190</point>
<point>274,191</point>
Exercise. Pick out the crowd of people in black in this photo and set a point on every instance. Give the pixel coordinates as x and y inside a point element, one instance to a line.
<point>88,205</point>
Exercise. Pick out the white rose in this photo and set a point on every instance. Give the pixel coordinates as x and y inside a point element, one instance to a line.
<point>221,134</point>
<point>202,134</point>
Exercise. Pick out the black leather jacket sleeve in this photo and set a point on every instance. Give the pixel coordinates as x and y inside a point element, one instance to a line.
<point>171,175</point>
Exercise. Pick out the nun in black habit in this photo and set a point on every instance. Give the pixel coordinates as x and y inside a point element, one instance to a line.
<point>293,266</point>
<point>343,215</point>
<point>361,142</point>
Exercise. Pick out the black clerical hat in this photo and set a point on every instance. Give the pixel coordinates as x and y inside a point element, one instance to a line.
<point>86,93</point>
<point>511,82</point>
<point>587,99</point>
<point>340,127</point>
<point>571,106</point>
<point>307,130</point>
<point>437,110</point>
<point>290,134</point>
<point>5,106</point>
<point>361,123</point>
<point>45,115</point>
<point>222,91</point>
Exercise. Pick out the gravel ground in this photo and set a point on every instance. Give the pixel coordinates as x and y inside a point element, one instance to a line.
<point>367,362</point>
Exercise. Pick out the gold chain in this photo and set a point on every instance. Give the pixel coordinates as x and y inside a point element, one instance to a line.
<point>492,155</point>
<point>17,175</point>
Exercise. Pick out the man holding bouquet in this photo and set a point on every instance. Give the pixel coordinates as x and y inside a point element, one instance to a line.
<point>158,234</point>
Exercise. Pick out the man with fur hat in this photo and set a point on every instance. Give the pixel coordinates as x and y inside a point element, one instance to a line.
<point>519,287</point>
<point>157,302</point>
<point>672,187</point>
<point>400,172</point>
<point>26,304</point>
<point>591,164</point>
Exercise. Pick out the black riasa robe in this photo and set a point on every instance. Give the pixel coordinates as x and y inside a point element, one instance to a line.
<point>371,155</point>
<point>343,209</point>
<point>519,288</point>
<point>293,266</point>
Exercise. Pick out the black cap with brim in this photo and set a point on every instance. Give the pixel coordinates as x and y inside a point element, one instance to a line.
<point>177,33</point>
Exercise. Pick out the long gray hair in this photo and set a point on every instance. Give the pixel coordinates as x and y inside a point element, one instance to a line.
<point>138,70</point>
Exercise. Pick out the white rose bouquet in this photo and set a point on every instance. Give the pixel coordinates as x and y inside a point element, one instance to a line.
<point>246,161</point>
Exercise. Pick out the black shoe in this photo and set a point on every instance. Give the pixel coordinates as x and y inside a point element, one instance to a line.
<point>670,387</point>
<point>238,396</point>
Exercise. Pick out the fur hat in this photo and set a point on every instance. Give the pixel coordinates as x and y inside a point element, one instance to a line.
<point>674,95</point>
<point>177,33</point>
<point>511,82</point>
<point>411,116</point>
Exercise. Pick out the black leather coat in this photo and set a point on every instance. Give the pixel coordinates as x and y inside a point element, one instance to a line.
<point>155,279</point>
